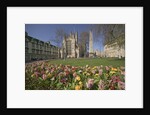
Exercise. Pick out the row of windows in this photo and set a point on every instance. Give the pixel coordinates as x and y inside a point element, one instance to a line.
<point>45,52</point>
<point>48,48</point>
<point>39,46</point>
<point>51,50</point>
<point>40,52</point>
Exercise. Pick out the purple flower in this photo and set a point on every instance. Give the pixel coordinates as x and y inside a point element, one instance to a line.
<point>63,80</point>
<point>121,85</point>
<point>44,76</point>
<point>90,83</point>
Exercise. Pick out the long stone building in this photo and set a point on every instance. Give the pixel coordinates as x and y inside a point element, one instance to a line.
<point>114,50</point>
<point>70,48</point>
<point>37,49</point>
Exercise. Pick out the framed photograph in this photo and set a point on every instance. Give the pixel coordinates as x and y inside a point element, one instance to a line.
<point>75,57</point>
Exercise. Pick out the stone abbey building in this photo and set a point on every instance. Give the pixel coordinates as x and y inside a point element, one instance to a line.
<point>70,48</point>
<point>37,49</point>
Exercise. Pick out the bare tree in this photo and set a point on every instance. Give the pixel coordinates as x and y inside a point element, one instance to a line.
<point>111,32</point>
<point>60,34</point>
<point>84,43</point>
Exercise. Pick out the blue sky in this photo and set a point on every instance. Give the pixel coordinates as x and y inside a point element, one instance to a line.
<point>46,32</point>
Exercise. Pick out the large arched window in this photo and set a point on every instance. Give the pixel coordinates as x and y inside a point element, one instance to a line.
<point>68,47</point>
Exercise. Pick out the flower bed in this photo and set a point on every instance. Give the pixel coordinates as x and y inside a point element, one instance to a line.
<point>45,76</point>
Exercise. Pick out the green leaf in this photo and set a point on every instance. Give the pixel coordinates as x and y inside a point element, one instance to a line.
<point>46,82</point>
<point>40,79</point>
<point>73,86</point>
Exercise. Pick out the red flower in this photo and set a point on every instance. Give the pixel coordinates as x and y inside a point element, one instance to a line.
<point>112,87</point>
<point>115,79</point>
<point>67,73</point>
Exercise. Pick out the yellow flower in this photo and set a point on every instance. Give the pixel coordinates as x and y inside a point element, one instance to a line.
<point>77,87</point>
<point>78,78</point>
<point>107,75</point>
<point>84,73</point>
<point>114,69</point>
<point>81,86</point>
<point>88,74</point>
<point>80,82</point>
<point>49,75</point>
<point>112,72</point>
<point>87,66</point>
<point>94,67</point>
<point>47,71</point>
<point>96,75</point>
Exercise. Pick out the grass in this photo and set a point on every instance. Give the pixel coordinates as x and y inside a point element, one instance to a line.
<point>115,62</point>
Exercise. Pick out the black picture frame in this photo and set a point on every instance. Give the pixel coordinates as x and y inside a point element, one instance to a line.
<point>108,3</point>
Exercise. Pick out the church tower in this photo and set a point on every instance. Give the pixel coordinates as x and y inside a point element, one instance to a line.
<point>91,44</point>
<point>76,37</point>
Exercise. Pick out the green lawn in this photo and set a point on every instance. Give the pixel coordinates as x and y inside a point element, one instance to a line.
<point>90,61</point>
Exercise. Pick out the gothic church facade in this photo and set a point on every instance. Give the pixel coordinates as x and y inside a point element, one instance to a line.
<point>70,48</point>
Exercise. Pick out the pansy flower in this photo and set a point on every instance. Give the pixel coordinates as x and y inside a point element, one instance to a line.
<point>100,72</point>
<point>101,85</point>
<point>90,83</point>
<point>44,76</point>
<point>121,85</point>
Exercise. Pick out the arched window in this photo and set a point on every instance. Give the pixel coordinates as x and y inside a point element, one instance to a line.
<point>68,47</point>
